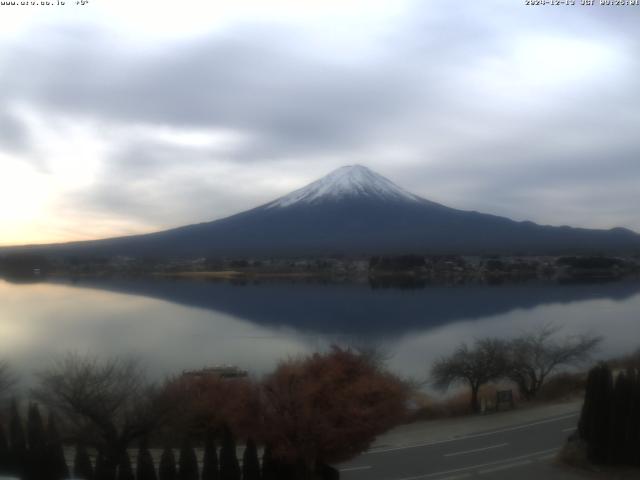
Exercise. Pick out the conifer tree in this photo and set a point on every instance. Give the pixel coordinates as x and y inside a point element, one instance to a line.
<point>105,470</point>
<point>327,472</point>
<point>250,462</point>
<point>5,466</point>
<point>269,470</point>
<point>99,472</point>
<point>35,429</point>
<point>125,472</point>
<point>634,419</point>
<point>275,469</point>
<point>620,431</point>
<point>36,467</point>
<point>595,421</point>
<point>229,467</point>
<point>210,469</point>
<point>82,467</point>
<point>585,423</point>
<point>188,463</point>
<point>167,469</point>
<point>145,469</point>
<point>18,443</point>
<point>56,461</point>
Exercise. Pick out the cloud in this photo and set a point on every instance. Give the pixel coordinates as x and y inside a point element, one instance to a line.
<point>289,104</point>
<point>517,111</point>
<point>13,134</point>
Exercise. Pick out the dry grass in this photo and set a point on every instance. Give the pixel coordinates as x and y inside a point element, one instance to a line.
<point>456,404</point>
<point>559,388</point>
<point>563,386</point>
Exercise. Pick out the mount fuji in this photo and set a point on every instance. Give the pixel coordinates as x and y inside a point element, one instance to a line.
<point>355,211</point>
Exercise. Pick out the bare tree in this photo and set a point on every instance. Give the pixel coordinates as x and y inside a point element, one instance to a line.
<point>485,361</point>
<point>537,354</point>
<point>107,399</point>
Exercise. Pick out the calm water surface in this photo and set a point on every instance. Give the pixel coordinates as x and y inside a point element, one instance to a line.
<point>176,325</point>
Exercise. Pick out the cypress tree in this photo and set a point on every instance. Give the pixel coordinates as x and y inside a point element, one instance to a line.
<point>269,469</point>
<point>250,462</point>
<point>56,460</point>
<point>99,473</point>
<point>82,467</point>
<point>621,432</point>
<point>275,469</point>
<point>18,443</point>
<point>229,467</point>
<point>35,429</point>
<point>145,469</point>
<point>594,426</point>
<point>125,472</point>
<point>585,423</point>
<point>327,472</point>
<point>5,465</point>
<point>210,470</point>
<point>615,433</point>
<point>36,467</point>
<point>634,421</point>
<point>188,463</point>
<point>167,465</point>
<point>104,470</point>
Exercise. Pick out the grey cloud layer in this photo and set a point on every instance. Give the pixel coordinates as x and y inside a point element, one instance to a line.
<point>467,146</point>
<point>285,101</point>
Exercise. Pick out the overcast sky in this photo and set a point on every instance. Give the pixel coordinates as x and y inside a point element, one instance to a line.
<point>124,116</point>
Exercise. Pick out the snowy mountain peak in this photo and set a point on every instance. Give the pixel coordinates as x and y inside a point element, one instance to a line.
<point>351,181</point>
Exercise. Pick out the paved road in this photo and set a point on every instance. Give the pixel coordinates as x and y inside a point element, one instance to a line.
<point>519,451</point>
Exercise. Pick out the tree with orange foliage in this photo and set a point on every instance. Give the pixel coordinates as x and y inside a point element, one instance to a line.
<point>328,408</point>
<point>208,402</point>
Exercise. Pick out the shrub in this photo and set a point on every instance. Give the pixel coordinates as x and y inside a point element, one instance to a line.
<point>329,407</point>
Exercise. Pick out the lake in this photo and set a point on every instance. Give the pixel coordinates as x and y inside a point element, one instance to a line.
<point>174,325</point>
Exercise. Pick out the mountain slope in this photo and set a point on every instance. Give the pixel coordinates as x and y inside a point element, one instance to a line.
<point>356,211</point>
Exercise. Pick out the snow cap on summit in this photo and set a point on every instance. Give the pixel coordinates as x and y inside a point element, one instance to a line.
<point>348,181</point>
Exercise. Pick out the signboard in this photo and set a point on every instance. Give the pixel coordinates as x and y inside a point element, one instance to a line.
<point>504,397</point>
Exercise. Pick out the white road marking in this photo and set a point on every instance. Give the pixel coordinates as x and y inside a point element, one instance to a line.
<point>475,467</point>
<point>477,435</point>
<point>354,469</point>
<point>455,454</point>
<point>504,467</point>
<point>569,429</point>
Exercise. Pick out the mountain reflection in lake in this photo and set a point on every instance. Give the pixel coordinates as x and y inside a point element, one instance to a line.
<point>182,324</point>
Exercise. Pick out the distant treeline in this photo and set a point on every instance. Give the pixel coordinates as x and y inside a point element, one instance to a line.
<point>424,268</point>
<point>23,264</point>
